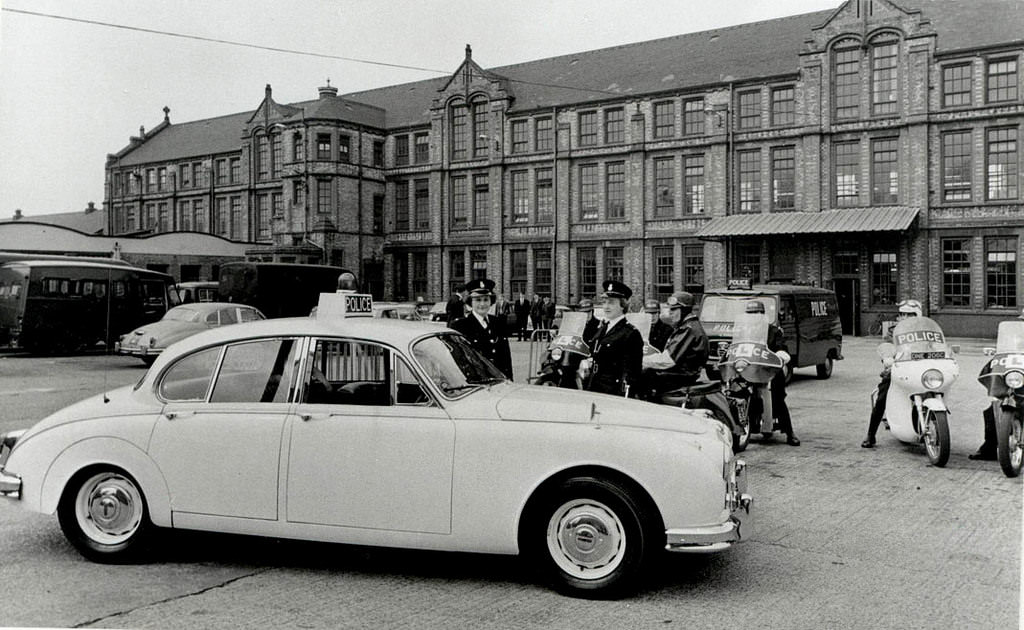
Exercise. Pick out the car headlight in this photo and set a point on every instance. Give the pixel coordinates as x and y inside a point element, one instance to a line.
<point>556,354</point>
<point>932,379</point>
<point>1014,379</point>
<point>742,364</point>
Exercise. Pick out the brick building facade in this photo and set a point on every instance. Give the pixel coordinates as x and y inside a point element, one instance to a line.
<point>873,149</point>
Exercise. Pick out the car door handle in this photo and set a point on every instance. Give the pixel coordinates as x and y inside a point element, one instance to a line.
<point>306,417</point>
<point>171,415</point>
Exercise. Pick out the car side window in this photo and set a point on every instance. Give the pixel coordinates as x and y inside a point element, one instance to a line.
<point>189,378</point>
<point>213,318</point>
<point>228,316</point>
<point>248,315</point>
<point>787,311</point>
<point>347,373</point>
<point>408,390</point>
<point>255,371</point>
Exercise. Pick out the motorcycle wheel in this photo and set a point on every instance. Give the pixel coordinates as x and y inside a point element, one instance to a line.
<point>1009,451</point>
<point>936,437</point>
<point>739,443</point>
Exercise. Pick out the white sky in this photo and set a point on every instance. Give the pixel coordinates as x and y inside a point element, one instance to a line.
<point>71,92</point>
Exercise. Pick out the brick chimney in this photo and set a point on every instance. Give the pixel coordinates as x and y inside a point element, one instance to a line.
<point>90,208</point>
<point>17,214</point>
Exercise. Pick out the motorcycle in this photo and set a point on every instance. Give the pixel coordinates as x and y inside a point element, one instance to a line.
<point>747,368</point>
<point>1004,379</point>
<point>712,398</point>
<point>923,370</point>
<point>565,352</point>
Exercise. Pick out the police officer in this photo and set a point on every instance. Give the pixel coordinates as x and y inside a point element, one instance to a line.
<point>485,332</point>
<point>987,450</point>
<point>617,349</point>
<point>906,308</point>
<point>660,330</point>
<point>777,344</point>
<point>687,345</point>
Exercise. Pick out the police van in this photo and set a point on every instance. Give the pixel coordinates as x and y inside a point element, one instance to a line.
<point>808,315</point>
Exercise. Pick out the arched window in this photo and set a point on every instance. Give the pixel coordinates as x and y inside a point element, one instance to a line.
<point>846,79</point>
<point>262,157</point>
<point>481,128</point>
<point>884,74</point>
<point>460,131</point>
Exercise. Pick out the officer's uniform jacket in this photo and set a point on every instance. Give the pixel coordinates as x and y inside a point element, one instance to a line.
<point>618,357</point>
<point>492,342</point>
<point>688,347</point>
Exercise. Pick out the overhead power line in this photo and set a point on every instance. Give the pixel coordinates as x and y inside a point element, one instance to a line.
<point>291,51</point>
<point>222,41</point>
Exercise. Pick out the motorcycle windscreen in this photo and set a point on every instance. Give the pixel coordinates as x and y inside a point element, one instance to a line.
<point>570,333</point>
<point>750,328</point>
<point>1010,337</point>
<point>918,338</point>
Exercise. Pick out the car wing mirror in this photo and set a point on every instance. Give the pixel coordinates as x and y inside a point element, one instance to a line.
<point>988,352</point>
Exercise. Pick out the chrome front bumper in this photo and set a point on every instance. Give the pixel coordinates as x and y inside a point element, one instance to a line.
<point>717,537</point>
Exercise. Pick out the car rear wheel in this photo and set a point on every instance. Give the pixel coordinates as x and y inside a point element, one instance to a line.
<point>103,514</point>
<point>591,537</point>
<point>825,369</point>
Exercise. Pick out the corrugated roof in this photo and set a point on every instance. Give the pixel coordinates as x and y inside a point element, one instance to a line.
<point>884,219</point>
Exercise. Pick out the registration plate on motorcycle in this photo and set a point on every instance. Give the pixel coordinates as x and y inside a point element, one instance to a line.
<point>917,356</point>
<point>723,347</point>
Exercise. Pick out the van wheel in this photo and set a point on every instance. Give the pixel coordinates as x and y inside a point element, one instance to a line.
<point>825,369</point>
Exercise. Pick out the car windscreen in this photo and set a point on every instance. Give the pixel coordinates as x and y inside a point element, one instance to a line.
<point>725,308</point>
<point>454,365</point>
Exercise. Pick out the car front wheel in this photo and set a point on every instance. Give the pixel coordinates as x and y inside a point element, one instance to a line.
<point>591,538</point>
<point>103,514</point>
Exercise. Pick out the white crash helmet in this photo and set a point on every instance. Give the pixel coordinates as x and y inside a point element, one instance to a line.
<point>910,307</point>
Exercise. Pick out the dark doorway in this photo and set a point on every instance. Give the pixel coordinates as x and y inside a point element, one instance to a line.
<point>848,296</point>
<point>373,278</point>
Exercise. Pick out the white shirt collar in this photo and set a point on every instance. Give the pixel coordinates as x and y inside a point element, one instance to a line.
<point>482,320</point>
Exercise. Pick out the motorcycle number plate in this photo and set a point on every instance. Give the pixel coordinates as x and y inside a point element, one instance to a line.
<point>723,347</point>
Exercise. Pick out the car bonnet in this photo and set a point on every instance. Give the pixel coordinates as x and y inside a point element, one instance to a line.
<point>531,403</point>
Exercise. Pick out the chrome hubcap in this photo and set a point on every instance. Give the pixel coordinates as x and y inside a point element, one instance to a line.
<point>586,539</point>
<point>1016,449</point>
<point>109,508</point>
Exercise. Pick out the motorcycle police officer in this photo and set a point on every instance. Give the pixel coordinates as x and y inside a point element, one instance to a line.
<point>617,348</point>
<point>687,344</point>
<point>987,450</point>
<point>485,332</point>
<point>777,343</point>
<point>907,308</point>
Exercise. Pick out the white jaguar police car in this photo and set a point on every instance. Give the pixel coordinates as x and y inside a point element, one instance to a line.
<point>380,432</point>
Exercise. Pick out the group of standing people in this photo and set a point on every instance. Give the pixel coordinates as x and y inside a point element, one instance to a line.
<point>517,316</point>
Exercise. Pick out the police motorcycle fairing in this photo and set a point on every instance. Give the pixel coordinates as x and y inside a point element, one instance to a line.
<point>747,368</point>
<point>1003,376</point>
<point>923,370</point>
<point>565,352</point>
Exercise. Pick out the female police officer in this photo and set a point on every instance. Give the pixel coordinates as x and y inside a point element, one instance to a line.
<point>485,332</point>
<point>618,347</point>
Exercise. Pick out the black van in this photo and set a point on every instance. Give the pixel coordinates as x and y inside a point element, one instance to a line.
<point>808,315</point>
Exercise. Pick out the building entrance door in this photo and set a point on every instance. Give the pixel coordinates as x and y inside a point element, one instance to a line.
<point>848,297</point>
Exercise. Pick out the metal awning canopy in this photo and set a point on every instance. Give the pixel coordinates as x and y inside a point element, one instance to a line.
<point>886,219</point>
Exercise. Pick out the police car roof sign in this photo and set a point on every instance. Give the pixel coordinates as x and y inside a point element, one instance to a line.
<point>344,304</point>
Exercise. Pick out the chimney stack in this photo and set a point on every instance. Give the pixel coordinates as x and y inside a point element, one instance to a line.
<point>327,91</point>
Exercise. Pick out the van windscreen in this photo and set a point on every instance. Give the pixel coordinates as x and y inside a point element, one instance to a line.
<point>725,308</point>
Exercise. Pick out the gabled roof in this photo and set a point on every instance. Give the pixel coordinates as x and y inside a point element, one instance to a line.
<point>192,139</point>
<point>768,48</point>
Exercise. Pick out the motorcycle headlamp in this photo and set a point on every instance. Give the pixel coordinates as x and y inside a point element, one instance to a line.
<point>1014,379</point>
<point>932,379</point>
<point>742,364</point>
<point>556,353</point>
